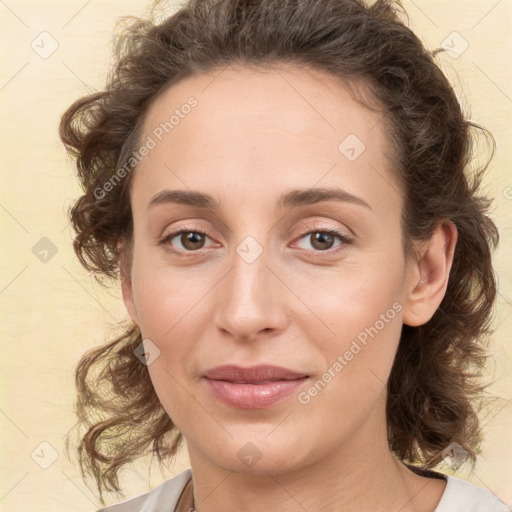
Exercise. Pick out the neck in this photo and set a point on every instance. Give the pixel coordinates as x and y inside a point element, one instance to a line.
<point>362,474</point>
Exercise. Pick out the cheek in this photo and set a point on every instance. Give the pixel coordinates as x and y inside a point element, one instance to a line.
<point>357,359</point>
<point>166,296</point>
<point>360,353</point>
<point>172,313</point>
<point>363,312</point>
<point>361,302</point>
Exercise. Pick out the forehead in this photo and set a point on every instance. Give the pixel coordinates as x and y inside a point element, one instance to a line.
<point>263,126</point>
<point>301,100</point>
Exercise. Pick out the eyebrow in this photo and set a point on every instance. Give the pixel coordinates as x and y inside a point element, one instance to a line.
<point>294,198</point>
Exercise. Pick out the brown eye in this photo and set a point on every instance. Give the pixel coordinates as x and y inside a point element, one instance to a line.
<point>184,241</point>
<point>321,240</point>
<point>324,240</point>
<point>192,240</point>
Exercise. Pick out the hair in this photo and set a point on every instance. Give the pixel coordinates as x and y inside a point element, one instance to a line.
<point>434,389</point>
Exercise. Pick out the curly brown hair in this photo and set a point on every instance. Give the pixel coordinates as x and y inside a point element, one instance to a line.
<point>434,390</point>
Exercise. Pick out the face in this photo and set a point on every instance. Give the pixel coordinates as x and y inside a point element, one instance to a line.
<point>300,264</point>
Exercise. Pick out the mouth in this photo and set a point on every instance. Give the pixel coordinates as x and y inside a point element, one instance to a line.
<point>254,375</point>
<point>253,388</point>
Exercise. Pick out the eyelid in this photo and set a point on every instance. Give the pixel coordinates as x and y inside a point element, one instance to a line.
<point>186,227</point>
<point>343,238</point>
<point>165,237</point>
<point>320,226</point>
<point>331,231</point>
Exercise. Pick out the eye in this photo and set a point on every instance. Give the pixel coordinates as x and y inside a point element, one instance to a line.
<point>190,240</point>
<point>323,240</point>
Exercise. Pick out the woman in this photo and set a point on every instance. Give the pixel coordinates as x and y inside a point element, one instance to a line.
<point>282,189</point>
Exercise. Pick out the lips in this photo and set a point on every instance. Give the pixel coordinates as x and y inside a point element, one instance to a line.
<point>254,375</point>
<point>253,388</point>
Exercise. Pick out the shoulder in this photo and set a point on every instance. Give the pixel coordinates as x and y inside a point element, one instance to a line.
<point>463,496</point>
<point>160,499</point>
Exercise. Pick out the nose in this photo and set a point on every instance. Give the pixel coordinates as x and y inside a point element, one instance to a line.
<point>251,300</point>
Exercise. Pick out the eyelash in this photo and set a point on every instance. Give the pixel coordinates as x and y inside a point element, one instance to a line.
<point>344,239</point>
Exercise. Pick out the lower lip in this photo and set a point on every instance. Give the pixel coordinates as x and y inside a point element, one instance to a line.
<point>254,396</point>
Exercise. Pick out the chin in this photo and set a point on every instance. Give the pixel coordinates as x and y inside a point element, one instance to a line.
<point>259,454</point>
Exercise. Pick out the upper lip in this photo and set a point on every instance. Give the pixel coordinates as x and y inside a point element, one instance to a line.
<point>253,374</point>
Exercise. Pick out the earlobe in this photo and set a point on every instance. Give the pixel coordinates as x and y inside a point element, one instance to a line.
<point>125,257</point>
<point>429,276</point>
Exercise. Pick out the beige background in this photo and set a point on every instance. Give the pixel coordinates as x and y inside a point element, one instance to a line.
<point>52,312</point>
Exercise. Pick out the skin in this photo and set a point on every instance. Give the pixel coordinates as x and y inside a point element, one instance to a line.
<point>253,136</point>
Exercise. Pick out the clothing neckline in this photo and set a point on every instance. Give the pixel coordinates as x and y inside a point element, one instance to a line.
<point>429,473</point>
<point>186,499</point>
<point>453,486</point>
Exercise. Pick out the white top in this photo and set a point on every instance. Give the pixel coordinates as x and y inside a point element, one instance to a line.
<point>458,496</point>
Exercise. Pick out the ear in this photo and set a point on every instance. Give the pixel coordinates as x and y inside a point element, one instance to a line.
<point>125,259</point>
<point>428,275</point>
